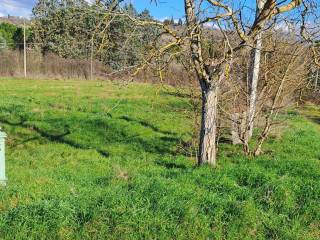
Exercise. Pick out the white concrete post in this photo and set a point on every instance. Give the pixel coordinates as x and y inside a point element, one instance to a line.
<point>3,179</point>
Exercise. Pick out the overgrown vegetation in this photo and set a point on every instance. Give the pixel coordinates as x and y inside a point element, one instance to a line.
<point>71,29</point>
<point>11,36</point>
<point>95,160</point>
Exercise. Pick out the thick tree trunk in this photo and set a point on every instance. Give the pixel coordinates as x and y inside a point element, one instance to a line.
<point>208,132</point>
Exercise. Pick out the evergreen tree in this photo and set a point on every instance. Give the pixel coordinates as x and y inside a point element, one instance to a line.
<point>7,31</point>
<point>172,21</point>
<point>66,27</point>
<point>60,27</point>
<point>145,15</point>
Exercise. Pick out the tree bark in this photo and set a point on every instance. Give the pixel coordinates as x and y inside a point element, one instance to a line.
<point>237,128</point>
<point>254,77</point>
<point>253,83</point>
<point>208,132</point>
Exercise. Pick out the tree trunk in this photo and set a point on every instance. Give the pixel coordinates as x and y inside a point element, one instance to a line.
<point>254,77</point>
<point>237,128</point>
<point>208,132</point>
<point>253,83</point>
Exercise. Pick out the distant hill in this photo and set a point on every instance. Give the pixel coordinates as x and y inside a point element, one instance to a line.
<point>18,21</point>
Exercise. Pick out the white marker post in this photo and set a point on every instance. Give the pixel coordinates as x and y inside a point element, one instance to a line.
<point>3,179</point>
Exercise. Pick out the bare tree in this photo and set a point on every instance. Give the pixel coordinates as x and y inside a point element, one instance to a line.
<point>211,73</point>
<point>209,89</point>
<point>232,38</point>
<point>254,75</point>
<point>285,71</point>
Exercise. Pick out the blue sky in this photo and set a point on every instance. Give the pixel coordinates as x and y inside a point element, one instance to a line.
<point>16,7</point>
<point>164,9</point>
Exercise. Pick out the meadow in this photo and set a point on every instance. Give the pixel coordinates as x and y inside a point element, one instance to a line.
<point>99,160</point>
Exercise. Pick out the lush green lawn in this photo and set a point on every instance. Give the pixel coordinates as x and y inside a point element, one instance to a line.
<point>92,160</point>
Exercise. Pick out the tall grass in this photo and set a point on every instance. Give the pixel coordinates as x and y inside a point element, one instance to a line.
<point>48,66</point>
<point>51,66</point>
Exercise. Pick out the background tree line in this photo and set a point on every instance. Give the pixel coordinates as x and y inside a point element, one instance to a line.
<point>72,29</point>
<point>11,36</point>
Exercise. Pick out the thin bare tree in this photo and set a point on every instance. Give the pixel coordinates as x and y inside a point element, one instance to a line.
<point>254,75</point>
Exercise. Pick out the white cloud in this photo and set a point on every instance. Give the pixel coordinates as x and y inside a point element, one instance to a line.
<point>283,26</point>
<point>210,25</point>
<point>16,7</point>
<point>162,19</point>
<point>176,20</point>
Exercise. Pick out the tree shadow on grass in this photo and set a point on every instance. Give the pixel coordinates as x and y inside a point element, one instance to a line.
<point>58,138</point>
<point>25,141</point>
<point>99,131</point>
<point>315,119</point>
<point>177,94</point>
<point>225,139</point>
<point>170,165</point>
<point>146,124</point>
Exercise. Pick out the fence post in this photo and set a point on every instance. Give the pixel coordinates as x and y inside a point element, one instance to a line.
<point>3,178</point>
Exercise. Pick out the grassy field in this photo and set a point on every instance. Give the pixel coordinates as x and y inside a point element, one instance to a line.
<point>95,160</point>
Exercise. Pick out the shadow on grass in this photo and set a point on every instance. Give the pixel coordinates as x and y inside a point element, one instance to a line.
<point>170,165</point>
<point>146,124</point>
<point>315,119</point>
<point>25,141</point>
<point>224,139</point>
<point>177,94</point>
<point>104,133</point>
<point>59,138</point>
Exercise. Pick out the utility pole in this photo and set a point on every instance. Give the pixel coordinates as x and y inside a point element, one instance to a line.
<point>316,80</point>
<point>91,60</point>
<point>24,49</point>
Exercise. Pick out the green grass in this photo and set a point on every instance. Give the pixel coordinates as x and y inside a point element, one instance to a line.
<point>92,160</point>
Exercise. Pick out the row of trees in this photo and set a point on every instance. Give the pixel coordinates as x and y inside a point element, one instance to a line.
<point>76,29</point>
<point>173,22</point>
